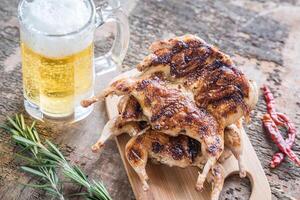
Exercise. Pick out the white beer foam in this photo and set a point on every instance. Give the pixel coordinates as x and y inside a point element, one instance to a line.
<point>44,17</point>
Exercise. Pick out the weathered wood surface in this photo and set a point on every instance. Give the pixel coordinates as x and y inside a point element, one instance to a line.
<point>263,38</point>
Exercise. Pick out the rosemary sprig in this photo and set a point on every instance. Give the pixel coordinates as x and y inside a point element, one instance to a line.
<point>44,161</point>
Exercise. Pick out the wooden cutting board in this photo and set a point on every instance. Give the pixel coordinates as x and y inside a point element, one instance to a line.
<point>173,183</point>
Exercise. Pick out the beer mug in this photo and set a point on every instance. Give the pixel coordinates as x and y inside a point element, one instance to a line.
<point>57,48</point>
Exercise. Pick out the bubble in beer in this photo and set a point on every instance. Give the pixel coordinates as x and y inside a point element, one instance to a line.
<point>56,16</point>
<point>42,18</point>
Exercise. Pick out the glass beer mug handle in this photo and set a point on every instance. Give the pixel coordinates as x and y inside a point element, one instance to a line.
<point>114,58</point>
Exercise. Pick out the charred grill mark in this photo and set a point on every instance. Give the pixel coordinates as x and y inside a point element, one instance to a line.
<point>157,147</point>
<point>189,119</point>
<point>231,102</point>
<point>161,58</point>
<point>153,87</point>
<point>168,111</point>
<point>220,70</point>
<point>177,152</point>
<point>216,171</point>
<point>228,75</point>
<point>139,139</point>
<point>215,147</point>
<point>157,127</point>
<point>142,124</point>
<point>176,148</point>
<point>202,121</point>
<point>194,148</point>
<point>212,149</point>
<point>147,101</point>
<point>189,60</point>
<point>180,45</point>
<point>183,57</point>
<point>222,85</point>
<point>143,84</point>
<point>133,109</point>
<point>134,155</point>
<point>159,76</point>
<point>203,130</point>
<point>195,43</point>
<point>119,85</point>
<point>216,75</point>
<point>210,97</point>
<point>197,74</point>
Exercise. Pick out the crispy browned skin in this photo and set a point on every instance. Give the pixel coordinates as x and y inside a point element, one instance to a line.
<point>180,151</point>
<point>233,142</point>
<point>173,113</point>
<point>130,120</point>
<point>216,83</point>
<point>129,109</point>
<point>170,111</point>
<point>186,87</point>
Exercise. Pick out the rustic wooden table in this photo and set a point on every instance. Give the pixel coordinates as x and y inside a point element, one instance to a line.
<point>263,38</point>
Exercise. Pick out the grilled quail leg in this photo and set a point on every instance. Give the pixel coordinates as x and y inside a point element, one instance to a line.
<point>216,177</point>
<point>233,140</point>
<point>137,157</point>
<point>225,155</point>
<point>129,120</point>
<point>119,87</point>
<point>203,175</point>
<point>108,131</point>
<point>111,129</point>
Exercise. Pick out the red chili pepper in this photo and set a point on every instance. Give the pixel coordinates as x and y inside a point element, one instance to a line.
<point>279,157</point>
<point>279,119</point>
<point>269,98</point>
<point>290,126</point>
<point>272,129</point>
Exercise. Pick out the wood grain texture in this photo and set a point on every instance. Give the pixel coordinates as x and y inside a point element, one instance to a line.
<point>263,38</point>
<point>173,183</point>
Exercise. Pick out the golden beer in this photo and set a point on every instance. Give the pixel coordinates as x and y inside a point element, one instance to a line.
<point>57,45</point>
<point>57,84</point>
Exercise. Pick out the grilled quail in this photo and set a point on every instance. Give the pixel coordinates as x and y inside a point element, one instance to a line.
<point>186,88</point>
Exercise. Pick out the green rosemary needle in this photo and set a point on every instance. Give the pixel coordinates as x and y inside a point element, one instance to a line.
<point>45,159</point>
